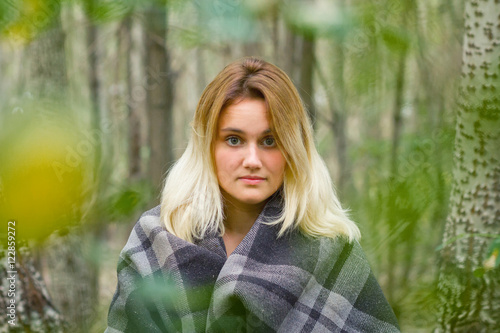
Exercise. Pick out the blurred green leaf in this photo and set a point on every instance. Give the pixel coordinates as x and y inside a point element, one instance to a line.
<point>22,20</point>
<point>225,21</point>
<point>395,38</point>
<point>45,169</point>
<point>479,272</point>
<point>121,203</point>
<point>322,19</point>
<point>493,257</point>
<point>127,202</point>
<point>9,11</point>
<point>102,11</point>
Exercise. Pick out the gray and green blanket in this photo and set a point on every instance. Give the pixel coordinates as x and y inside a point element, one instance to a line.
<point>289,284</point>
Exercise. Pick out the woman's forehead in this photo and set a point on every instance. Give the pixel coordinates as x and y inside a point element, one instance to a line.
<point>246,113</point>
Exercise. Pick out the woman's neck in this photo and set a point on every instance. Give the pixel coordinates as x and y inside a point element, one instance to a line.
<point>239,219</point>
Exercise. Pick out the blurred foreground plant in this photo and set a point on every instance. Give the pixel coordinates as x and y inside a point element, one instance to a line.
<point>43,174</point>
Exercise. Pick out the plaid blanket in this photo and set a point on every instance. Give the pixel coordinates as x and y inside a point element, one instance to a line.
<point>290,284</point>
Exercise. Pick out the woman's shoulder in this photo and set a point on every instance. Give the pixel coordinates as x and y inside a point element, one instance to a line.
<point>147,226</point>
<point>329,246</point>
<point>146,236</point>
<point>150,217</point>
<point>150,246</point>
<point>342,246</point>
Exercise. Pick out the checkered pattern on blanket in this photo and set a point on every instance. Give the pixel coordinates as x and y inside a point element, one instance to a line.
<point>268,284</point>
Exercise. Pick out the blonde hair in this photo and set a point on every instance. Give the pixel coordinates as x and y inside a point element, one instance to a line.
<point>192,204</point>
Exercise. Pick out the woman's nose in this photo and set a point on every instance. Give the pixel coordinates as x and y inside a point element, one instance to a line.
<point>252,159</point>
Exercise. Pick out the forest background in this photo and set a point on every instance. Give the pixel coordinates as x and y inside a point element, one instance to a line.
<point>96,100</point>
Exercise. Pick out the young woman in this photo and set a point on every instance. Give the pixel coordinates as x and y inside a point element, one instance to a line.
<point>249,236</point>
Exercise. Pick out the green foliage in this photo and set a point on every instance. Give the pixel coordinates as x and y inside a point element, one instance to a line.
<point>492,260</point>
<point>128,199</point>
<point>8,13</point>
<point>101,11</point>
<point>395,39</point>
<point>225,21</point>
<point>493,253</point>
<point>319,19</point>
<point>401,210</point>
<point>44,171</point>
<point>402,213</point>
<point>22,20</point>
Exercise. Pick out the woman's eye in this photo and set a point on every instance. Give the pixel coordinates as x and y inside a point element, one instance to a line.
<point>233,141</point>
<point>269,142</point>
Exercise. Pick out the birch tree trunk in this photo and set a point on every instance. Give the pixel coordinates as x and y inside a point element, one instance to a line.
<point>26,293</point>
<point>469,293</point>
<point>44,80</point>
<point>70,286</point>
<point>45,74</point>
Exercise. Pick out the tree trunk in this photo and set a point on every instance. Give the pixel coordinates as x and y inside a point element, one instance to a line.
<point>94,57</point>
<point>201,79</point>
<point>73,279</point>
<point>134,133</point>
<point>132,34</point>
<point>307,76</point>
<point>252,49</point>
<point>135,101</point>
<point>339,116</point>
<point>398,105</point>
<point>94,83</point>
<point>46,71</point>
<point>45,81</point>
<point>470,292</point>
<point>159,87</point>
<point>289,54</point>
<point>23,290</point>
<point>393,220</point>
<point>275,35</point>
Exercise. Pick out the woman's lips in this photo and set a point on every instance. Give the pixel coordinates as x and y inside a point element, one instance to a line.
<point>250,180</point>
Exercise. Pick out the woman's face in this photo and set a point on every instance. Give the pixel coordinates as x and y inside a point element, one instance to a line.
<point>249,165</point>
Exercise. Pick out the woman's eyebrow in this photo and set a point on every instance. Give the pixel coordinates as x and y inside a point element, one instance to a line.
<point>237,130</point>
